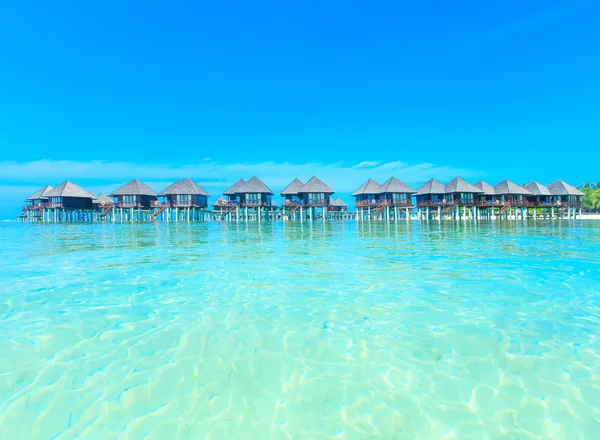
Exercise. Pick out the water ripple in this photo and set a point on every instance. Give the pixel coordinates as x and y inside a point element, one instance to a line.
<point>288,330</point>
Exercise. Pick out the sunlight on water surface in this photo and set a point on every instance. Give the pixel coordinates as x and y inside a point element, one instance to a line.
<point>289,330</point>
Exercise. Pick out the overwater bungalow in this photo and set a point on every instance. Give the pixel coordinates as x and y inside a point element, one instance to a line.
<point>567,197</point>
<point>368,194</point>
<point>461,198</point>
<point>249,200</point>
<point>254,193</point>
<point>38,198</point>
<point>185,194</point>
<point>135,201</point>
<point>68,202</point>
<point>69,195</point>
<point>231,193</point>
<point>315,193</point>
<point>338,210</point>
<point>338,205</point>
<point>135,194</point>
<point>386,201</point>
<point>507,192</point>
<point>396,193</point>
<point>457,199</point>
<point>103,201</point>
<point>290,193</point>
<point>431,193</point>
<point>33,210</point>
<point>219,204</point>
<point>539,199</point>
<point>314,199</point>
<point>183,200</point>
<point>485,200</point>
<point>459,192</point>
<point>512,199</point>
<point>430,197</point>
<point>486,196</point>
<point>540,195</point>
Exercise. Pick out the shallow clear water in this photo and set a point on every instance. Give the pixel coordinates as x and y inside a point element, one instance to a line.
<point>273,330</point>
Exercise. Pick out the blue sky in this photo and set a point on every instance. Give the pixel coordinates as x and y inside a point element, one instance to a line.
<point>102,93</point>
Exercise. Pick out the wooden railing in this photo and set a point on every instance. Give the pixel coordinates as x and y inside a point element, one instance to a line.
<point>182,204</point>
<point>542,204</point>
<point>317,203</point>
<point>254,204</point>
<point>129,205</point>
<point>473,202</point>
<point>368,203</point>
<point>428,203</point>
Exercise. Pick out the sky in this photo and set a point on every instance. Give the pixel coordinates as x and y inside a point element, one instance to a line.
<point>103,92</point>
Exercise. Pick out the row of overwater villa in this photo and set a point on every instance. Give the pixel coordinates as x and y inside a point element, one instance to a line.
<point>251,199</point>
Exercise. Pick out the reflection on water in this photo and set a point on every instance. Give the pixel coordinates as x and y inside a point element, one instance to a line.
<point>300,330</point>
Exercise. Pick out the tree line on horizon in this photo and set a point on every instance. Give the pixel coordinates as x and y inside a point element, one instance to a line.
<point>591,200</point>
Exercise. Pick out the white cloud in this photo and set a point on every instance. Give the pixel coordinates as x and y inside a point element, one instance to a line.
<point>102,176</point>
<point>366,164</point>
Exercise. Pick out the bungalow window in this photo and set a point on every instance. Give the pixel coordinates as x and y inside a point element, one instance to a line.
<point>316,198</point>
<point>253,198</point>
<point>184,198</point>
<point>129,199</point>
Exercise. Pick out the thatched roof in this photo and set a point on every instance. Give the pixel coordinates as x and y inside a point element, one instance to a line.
<point>562,188</point>
<point>537,189</point>
<point>254,186</point>
<point>68,189</point>
<point>369,187</point>
<point>184,187</point>
<point>233,189</point>
<point>485,188</point>
<point>432,186</point>
<point>40,194</point>
<point>220,201</point>
<point>458,185</point>
<point>338,202</point>
<point>395,186</point>
<point>292,188</point>
<point>315,186</point>
<point>134,188</point>
<point>508,187</point>
<point>103,198</point>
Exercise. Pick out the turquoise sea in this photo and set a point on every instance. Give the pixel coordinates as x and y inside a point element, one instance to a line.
<point>450,330</point>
